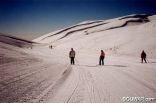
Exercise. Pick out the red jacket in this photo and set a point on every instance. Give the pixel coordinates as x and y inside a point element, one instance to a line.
<point>102,54</point>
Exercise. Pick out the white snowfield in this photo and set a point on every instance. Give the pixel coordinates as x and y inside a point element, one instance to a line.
<point>33,73</point>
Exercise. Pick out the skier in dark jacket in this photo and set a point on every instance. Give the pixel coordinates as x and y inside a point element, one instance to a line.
<point>72,56</point>
<point>101,59</point>
<point>143,57</point>
<point>50,46</point>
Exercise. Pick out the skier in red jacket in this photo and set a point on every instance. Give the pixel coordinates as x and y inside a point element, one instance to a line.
<point>102,56</point>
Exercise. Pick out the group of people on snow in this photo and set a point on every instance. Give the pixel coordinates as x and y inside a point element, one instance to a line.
<point>72,54</point>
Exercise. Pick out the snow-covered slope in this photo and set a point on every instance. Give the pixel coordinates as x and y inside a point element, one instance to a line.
<point>43,75</point>
<point>124,35</point>
<point>24,72</point>
<point>8,39</point>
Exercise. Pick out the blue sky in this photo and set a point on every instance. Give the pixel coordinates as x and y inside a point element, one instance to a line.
<point>32,18</point>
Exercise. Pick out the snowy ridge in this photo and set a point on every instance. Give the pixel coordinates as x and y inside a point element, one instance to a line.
<point>63,30</point>
<point>15,41</point>
<point>124,35</point>
<point>142,16</point>
<point>86,26</point>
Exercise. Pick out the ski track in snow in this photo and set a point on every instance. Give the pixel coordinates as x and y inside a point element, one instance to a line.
<point>102,84</point>
<point>36,81</point>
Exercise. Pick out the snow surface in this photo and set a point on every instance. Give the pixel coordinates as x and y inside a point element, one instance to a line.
<point>33,73</point>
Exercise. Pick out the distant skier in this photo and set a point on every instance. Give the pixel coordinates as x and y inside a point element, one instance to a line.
<point>101,59</point>
<point>86,32</point>
<point>50,46</point>
<point>72,56</point>
<point>143,57</point>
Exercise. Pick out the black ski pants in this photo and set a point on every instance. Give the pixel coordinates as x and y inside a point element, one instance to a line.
<point>72,60</point>
<point>143,59</point>
<point>101,61</point>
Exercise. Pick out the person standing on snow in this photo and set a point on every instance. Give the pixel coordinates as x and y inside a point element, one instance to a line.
<point>102,56</point>
<point>72,56</point>
<point>143,57</point>
<point>50,46</point>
